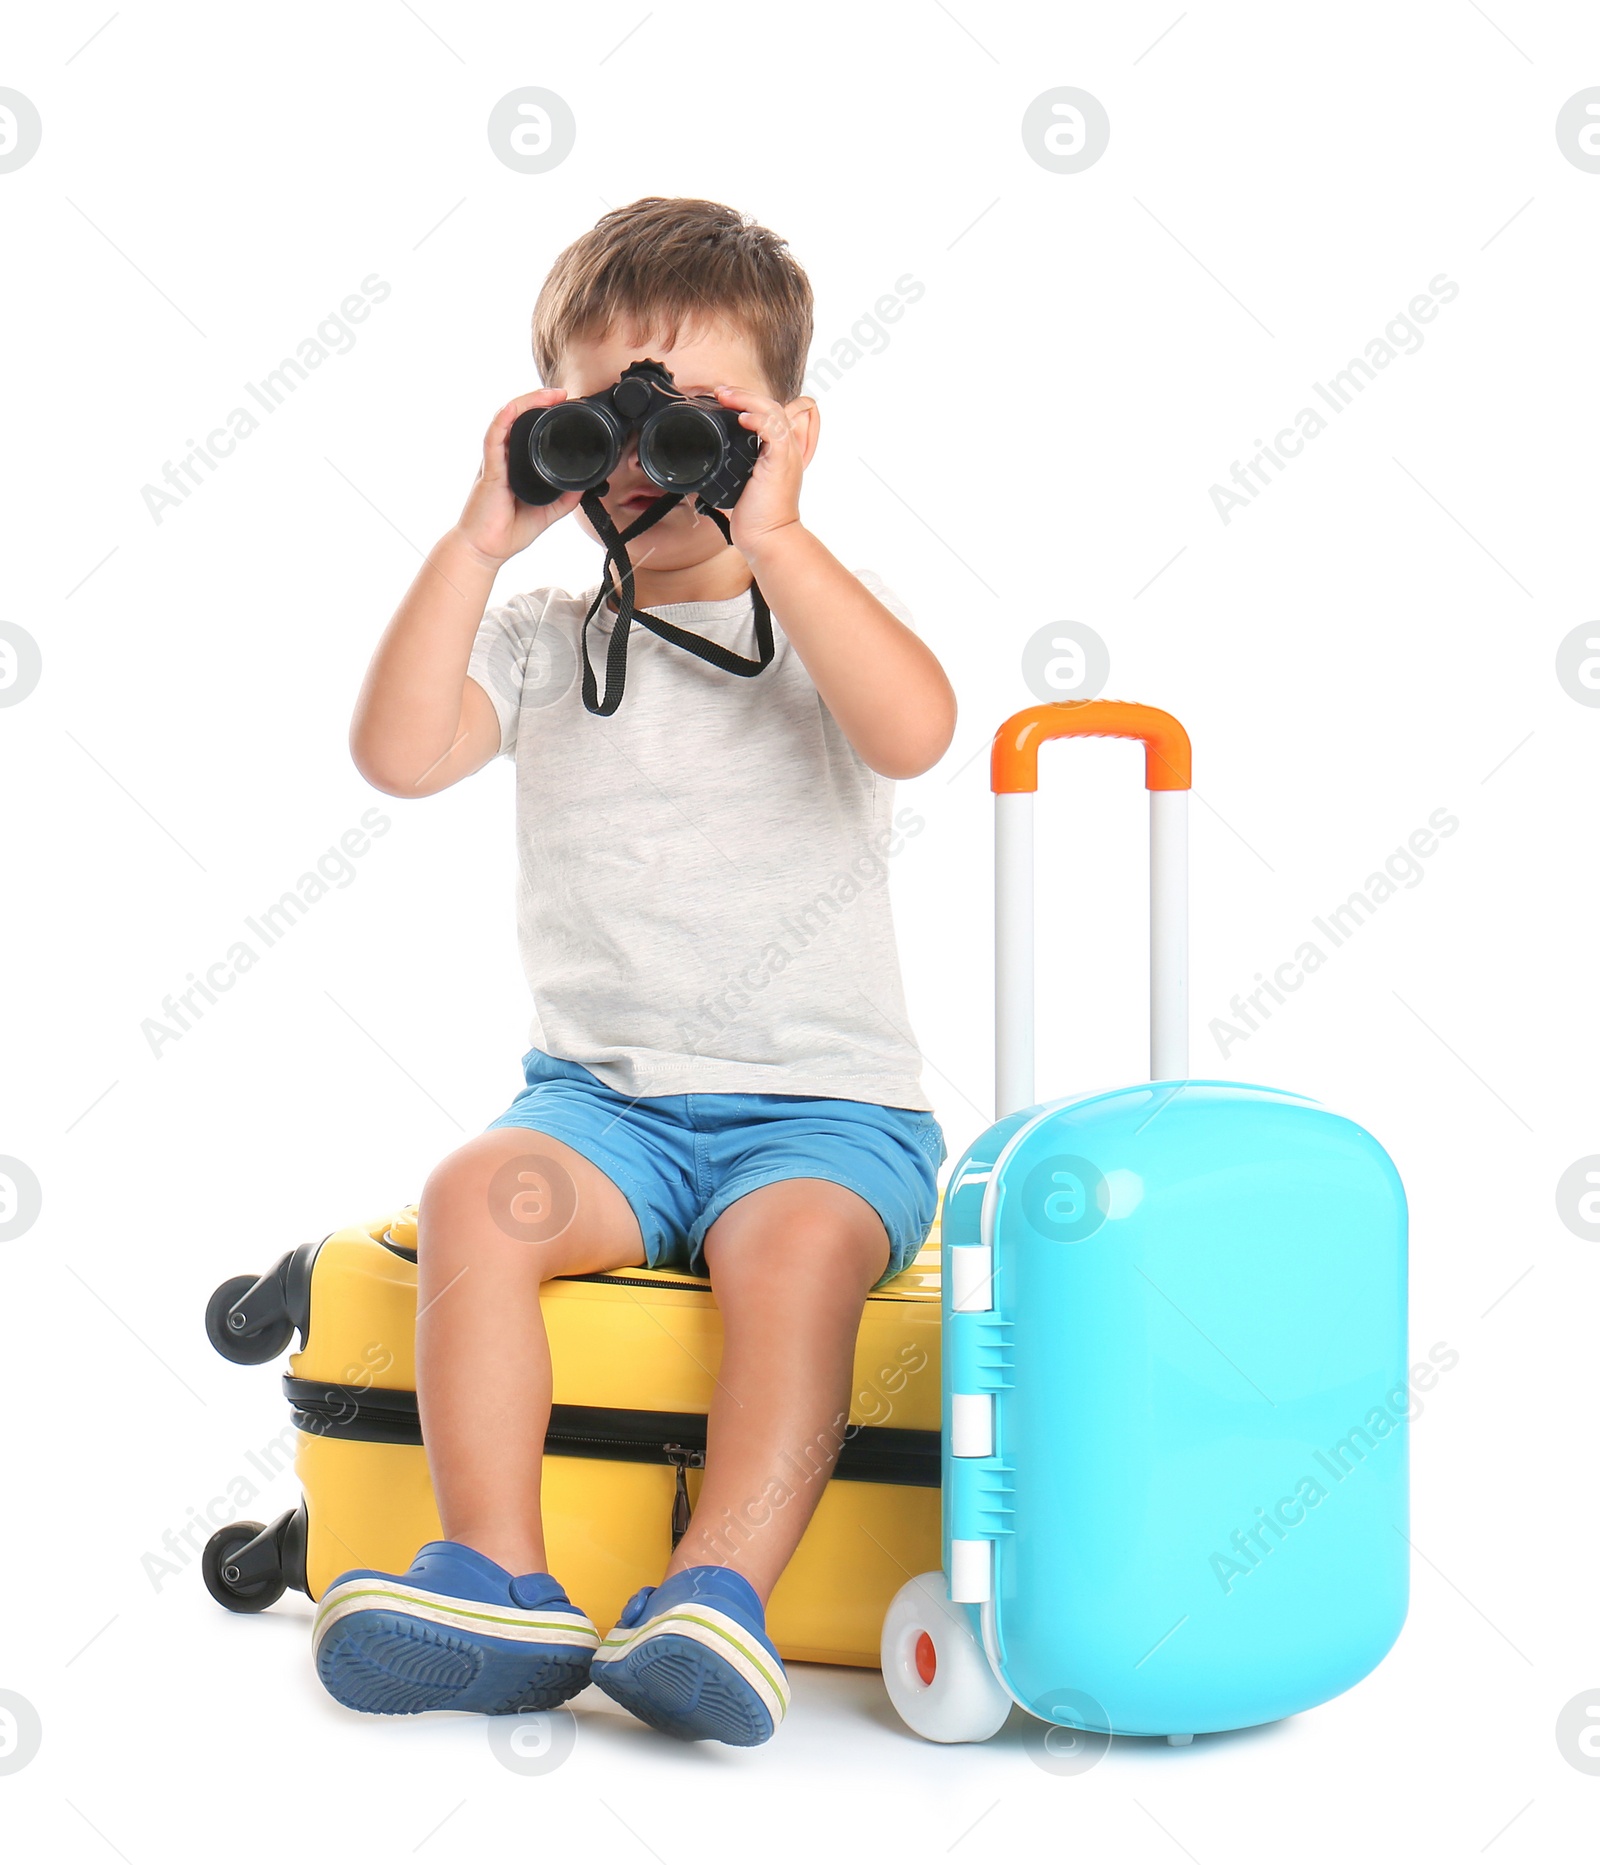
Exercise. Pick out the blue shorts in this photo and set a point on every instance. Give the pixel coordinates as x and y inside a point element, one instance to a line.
<point>682,1159</point>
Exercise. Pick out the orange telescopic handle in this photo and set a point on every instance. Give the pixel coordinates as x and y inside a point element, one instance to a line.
<point>1014,763</point>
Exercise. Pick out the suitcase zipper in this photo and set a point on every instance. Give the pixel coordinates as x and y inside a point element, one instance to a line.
<point>594,1275</point>
<point>682,1459</point>
<point>379,1415</point>
<point>704,1288</point>
<point>637,1282</point>
<point>690,1287</point>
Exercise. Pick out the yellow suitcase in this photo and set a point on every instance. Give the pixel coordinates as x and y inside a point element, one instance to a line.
<point>635,1354</point>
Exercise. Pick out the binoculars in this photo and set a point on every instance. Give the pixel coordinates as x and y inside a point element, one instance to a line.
<point>688,444</point>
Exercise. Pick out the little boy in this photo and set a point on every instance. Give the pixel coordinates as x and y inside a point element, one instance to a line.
<point>722,1078</point>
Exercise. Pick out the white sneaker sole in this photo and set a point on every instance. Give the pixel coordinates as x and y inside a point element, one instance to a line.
<point>532,1628</point>
<point>719,1634</point>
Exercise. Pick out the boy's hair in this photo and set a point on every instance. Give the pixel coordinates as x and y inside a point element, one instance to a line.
<point>658,264</point>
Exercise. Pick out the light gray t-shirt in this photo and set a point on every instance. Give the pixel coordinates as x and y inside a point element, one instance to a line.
<point>703,898</point>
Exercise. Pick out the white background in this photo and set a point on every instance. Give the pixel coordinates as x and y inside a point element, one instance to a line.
<point>1373,639</point>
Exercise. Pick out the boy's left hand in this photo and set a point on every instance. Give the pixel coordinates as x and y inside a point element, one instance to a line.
<point>770,502</point>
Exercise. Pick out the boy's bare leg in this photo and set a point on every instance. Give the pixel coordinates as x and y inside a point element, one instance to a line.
<point>484,1245</point>
<point>791,1265</point>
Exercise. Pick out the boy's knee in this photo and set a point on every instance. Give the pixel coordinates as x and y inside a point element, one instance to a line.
<point>459,1180</point>
<point>491,1193</point>
<point>465,1198</point>
<point>851,1251</point>
<point>507,1174</point>
<point>847,1248</point>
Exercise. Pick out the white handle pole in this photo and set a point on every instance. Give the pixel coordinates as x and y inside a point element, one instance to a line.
<point>1013,952</point>
<point>1169,935</point>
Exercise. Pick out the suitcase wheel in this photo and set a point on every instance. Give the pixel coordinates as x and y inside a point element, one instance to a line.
<point>246,1567</point>
<point>935,1669</point>
<point>233,1336</point>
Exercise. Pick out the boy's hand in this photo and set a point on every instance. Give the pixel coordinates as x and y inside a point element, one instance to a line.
<point>770,502</point>
<point>494,522</point>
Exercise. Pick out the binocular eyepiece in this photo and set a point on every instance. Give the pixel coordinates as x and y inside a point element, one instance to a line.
<point>688,444</point>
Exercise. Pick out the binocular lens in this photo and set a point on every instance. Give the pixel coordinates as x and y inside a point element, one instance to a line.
<point>681,448</point>
<point>573,446</point>
<point>687,448</point>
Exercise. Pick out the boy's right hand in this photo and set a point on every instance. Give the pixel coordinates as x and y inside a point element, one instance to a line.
<point>494,522</point>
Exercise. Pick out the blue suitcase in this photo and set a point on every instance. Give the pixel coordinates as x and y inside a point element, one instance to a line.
<point>1174,1350</point>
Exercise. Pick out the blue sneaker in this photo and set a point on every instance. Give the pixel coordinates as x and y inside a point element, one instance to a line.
<point>691,1657</point>
<point>455,1632</point>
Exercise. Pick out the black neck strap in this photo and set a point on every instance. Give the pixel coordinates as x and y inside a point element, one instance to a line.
<point>616,548</point>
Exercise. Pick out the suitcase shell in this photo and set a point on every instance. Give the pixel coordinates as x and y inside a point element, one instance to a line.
<point>1175,1384</point>
<point>1197,1493</point>
<point>635,1356</point>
